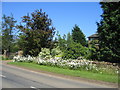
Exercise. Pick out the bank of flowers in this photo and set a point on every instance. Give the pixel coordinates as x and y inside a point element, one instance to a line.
<point>82,64</point>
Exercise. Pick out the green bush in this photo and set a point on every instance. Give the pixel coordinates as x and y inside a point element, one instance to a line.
<point>75,50</point>
<point>5,58</point>
<point>93,52</point>
<point>56,52</point>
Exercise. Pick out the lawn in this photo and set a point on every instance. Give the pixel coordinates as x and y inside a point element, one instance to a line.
<point>77,73</point>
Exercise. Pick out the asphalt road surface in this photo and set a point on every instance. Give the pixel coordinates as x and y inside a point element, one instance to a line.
<point>14,77</point>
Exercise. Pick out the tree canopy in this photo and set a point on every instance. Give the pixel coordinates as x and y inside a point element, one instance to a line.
<point>78,35</point>
<point>109,32</point>
<point>8,25</point>
<point>37,32</point>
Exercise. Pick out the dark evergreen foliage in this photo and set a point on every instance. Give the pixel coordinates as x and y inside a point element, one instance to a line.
<point>37,33</point>
<point>8,25</point>
<point>78,36</point>
<point>74,50</point>
<point>109,32</point>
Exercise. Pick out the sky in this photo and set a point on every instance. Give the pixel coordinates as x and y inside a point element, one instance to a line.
<point>64,15</point>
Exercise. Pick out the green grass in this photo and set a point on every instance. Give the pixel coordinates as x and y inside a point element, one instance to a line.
<point>77,73</point>
<point>2,58</point>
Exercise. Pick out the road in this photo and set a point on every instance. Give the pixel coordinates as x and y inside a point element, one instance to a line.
<point>14,77</point>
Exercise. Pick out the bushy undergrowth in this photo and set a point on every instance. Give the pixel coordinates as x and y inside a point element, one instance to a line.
<point>3,58</point>
<point>75,50</point>
<point>47,54</point>
<point>83,64</point>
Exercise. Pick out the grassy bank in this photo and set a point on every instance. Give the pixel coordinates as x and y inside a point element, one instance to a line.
<point>84,74</point>
<point>2,58</point>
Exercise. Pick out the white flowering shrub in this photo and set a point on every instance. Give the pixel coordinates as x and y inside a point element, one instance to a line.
<point>71,64</point>
<point>23,59</point>
<point>45,53</point>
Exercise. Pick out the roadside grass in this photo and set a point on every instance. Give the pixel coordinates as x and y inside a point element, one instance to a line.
<point>2,58</point>
<point>77,73</point>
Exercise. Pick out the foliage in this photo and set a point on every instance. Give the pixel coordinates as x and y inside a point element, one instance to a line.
<point>69,39</point>
<point>78,36</point>
<point>71,49</point>
<point>3,58</point>
<point>24,59</point>
<point>8,26</point>
<point>74,50</point>
<point>45,53</point>
<point>61,42</point>
<point>1,44</point>
<point>76,73</point>
<point>93,50</point>
<point>37,32</point>
<point>56,52</point>
<point>109,32</point>
<point>70,64</point>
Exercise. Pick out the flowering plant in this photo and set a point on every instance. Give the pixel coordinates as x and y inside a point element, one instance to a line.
<point>71,64</point>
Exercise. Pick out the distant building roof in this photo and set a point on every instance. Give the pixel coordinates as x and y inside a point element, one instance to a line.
<point>93,36</point>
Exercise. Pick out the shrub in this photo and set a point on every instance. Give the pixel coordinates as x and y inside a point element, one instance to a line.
<point>74,50</point>
<point>45,53</point>
<point>71,64</point>
<point>56,52</point>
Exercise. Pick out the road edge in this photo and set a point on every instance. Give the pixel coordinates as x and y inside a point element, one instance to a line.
<point>112,85</point>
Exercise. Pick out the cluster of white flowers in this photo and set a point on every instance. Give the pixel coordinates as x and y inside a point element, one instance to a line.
<point>45,53</point>
<point>71,64</point>
<point>24,59</point>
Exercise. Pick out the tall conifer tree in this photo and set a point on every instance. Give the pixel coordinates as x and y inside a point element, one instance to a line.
<point>78,36</point>
<point>8,25</point>
<point>109,32</point>
<point>37,32</point>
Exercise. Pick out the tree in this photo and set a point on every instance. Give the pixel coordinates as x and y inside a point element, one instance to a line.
<point>61,41</point>
<point>37,32</point>
<point>93,50</point>
<point>78,36</point>
<point>109,32</point>
<point>8,25</point>
<point>1,45</point>
<point>70,49</point>
<point>69,39</point>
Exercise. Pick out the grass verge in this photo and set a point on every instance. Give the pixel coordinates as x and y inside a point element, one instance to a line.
<point>77,73</point>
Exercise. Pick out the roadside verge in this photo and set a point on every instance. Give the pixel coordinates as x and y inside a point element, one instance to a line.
<point>29,66</point>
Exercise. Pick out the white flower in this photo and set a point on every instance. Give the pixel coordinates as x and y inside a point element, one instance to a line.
<point>117,72</point>
<point>100,72</point>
